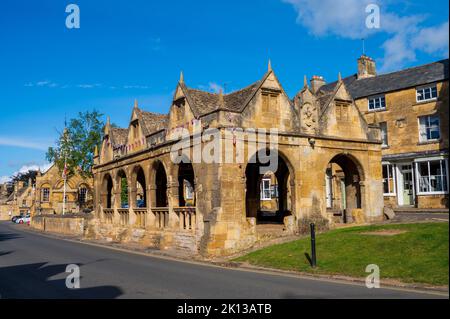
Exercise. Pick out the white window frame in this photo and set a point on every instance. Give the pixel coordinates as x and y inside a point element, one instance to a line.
<point>392,174</point>
<point>263,189</point>
<point>421,140</point>
<point>423,88</point>
<point>444,161</point>
<point>188,190</point>
<point>379,98</point>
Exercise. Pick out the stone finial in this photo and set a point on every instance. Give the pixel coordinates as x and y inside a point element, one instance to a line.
<point>269,66</point>
<point>181,77</point>
<point>339,77</point>
<point>135,103</point>
<point>305,81</point>
<point>108,121</point>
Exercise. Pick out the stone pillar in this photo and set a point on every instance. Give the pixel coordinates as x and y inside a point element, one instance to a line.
<point>173,199</point>
<point>150,218</point>
<point>132,203</point>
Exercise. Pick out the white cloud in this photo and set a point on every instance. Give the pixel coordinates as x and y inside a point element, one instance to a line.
<point>23,143</point>
<point>135,87</point>
<point>212,87</point>
<point>89,86</point>
<point>34,167</point>
<point>44,83</point>
<point>433,40</point>
<point>26,168</point>
<point>4,179</point>
<point>346,19</point>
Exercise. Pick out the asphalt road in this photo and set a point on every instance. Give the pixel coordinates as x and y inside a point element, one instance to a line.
<point>33,266</point>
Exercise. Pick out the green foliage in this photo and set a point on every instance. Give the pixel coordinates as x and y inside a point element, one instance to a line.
<point>420,254</point>
<point>24,177</point>
<point>124,191</point>
<point>77,142</point>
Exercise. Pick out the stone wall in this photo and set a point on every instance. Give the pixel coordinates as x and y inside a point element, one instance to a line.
<point>66,225</point>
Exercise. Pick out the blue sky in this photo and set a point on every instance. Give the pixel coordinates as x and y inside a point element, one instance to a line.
<point>135,49</point>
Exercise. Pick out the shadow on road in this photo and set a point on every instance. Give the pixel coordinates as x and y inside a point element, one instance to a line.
<point>9,236</point>
<point>32,281</point>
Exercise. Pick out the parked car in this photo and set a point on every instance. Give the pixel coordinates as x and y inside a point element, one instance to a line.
<point>23,220</point>
<point>15,218</point>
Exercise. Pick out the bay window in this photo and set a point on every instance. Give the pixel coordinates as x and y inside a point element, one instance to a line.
<point>432,176</point>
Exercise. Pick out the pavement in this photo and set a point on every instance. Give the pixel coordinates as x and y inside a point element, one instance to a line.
<point>33,265</point>
<point>412,217</point>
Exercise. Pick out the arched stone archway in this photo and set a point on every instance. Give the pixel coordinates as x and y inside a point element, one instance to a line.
<point>186,184</point>
<point>269,184</point>
<point>344,177</point>
<point>159,182</point>
<point>139,188</point>
<point>122,189</point>
<point>107,191</point>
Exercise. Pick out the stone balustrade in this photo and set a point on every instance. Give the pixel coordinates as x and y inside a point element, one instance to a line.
<point>186,217</point>
<point>161,217</point>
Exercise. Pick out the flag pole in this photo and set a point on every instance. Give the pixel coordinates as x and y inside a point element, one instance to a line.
<point>65,177</point>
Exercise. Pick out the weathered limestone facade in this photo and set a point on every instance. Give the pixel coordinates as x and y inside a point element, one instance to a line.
<point>214,208</point>
<point>19,202</point>
<point>49,190</point>
<point>412,107</point>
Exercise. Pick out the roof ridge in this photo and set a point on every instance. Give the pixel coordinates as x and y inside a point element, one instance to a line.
<point>411,68</point>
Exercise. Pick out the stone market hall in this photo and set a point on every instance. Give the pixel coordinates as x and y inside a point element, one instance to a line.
<point>220,208</point>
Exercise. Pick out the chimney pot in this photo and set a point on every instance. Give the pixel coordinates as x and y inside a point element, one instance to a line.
<point>317,82</point>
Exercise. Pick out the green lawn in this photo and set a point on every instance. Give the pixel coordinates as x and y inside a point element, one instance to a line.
<point>419,255</point>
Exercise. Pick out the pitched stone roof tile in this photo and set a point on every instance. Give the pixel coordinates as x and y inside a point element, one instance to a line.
<point>411,77</point>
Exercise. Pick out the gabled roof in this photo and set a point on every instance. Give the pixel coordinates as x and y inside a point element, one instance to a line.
<point>118,135</point>
<point>203,102</point>
<point>411,77</point>
<point>152,122</point>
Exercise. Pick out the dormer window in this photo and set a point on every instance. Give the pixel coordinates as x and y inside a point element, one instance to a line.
<point>426,93</point>
<point>377,103</point>
<point>342,111</point>
<point>269,101</point>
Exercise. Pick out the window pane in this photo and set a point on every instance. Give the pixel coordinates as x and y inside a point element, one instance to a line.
<point>434,92</point>
<point>423,177</point>
<point>419,95</point>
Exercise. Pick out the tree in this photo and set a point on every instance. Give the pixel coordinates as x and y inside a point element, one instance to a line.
<point>75,145</point>
<point>24,177</point>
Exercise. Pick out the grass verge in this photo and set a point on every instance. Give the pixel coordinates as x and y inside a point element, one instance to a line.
<point>417,253</point>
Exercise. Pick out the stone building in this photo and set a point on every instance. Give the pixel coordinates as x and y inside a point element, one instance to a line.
<point>4,208</point>
<point>19,202</point>
<point>213,208</point>
<point>49,193</point>
<point>411,106</point>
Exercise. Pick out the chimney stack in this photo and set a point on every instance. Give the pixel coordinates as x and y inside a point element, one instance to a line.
<point>366,67</point>
<point>316,83</point>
